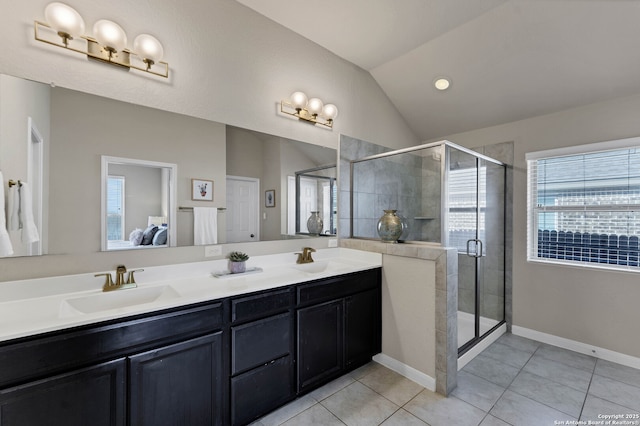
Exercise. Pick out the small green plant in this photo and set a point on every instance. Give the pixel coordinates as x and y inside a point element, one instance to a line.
<point>238,256</point>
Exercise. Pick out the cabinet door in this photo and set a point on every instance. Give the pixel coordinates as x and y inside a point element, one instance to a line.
<point>362,327</point>
<point>180,384</point>
<point>320,343</point>
<point>90,396</point>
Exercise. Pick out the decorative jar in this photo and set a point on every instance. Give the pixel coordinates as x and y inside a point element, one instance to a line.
<point>390,227</point>
<point>314,223</point>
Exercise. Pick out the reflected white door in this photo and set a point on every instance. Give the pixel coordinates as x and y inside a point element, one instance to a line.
<point>308,200</point>
<point>243,209</point>
<point>35,153</point>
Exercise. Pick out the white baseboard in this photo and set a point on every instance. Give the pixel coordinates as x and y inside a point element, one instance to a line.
<point>583,348</point>
<point>481,346</point>
<point>410,373</point>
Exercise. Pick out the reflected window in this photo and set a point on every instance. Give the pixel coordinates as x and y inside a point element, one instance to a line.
<point>115,208</point>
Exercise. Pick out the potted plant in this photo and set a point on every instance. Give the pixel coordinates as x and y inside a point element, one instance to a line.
<point>237,261</point>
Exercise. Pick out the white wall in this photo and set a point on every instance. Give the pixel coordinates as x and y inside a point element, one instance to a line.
<point>591,306</point>
<point>227,63</point>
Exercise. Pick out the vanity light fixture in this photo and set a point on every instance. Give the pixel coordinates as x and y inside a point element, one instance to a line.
<point>310,110</point>
<point>108,44</point>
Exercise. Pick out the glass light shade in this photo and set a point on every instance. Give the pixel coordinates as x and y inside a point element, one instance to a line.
<point>109,34</point>
<point>148,47</point>
<point>314,106</point>
<point>298,100</point>
<point>63,18</point>
<point>330,111</point>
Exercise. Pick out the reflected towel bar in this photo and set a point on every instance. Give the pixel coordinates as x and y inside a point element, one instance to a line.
<point>14,182</point>
<point>188,209</point>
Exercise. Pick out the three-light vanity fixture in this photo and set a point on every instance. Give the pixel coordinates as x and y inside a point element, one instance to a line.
<point>108,44</point>
<point>310,110</point>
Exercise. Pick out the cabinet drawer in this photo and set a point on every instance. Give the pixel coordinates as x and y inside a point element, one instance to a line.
<point>261,341</point>
<point>259,391</point>
<point>61,351</point>
<point>337,287</point>
<point>260,305</point>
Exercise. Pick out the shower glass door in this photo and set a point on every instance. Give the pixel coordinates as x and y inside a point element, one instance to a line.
<point>490,266</point>
<point>475,226</point>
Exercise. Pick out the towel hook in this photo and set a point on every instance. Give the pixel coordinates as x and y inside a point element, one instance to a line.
<point>13,182</point>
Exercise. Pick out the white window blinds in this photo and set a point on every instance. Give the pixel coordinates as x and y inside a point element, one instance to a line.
<point>585,208</point>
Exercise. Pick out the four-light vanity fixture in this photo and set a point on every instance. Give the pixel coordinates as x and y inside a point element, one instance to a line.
<point>108,44</point>
<point>310,110</point>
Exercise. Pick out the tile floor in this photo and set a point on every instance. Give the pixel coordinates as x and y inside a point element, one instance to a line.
<point>515,381</point>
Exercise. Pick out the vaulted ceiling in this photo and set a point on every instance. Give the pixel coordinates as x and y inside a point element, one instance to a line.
<point>507,59</point>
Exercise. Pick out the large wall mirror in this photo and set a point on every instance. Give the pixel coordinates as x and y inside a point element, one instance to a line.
<point>77,130</point>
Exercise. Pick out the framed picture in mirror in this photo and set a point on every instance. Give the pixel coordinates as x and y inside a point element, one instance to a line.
<point>270,198</point>
<point>201,190</point>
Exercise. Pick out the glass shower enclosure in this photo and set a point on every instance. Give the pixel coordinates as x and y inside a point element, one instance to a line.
<point>451,196</point>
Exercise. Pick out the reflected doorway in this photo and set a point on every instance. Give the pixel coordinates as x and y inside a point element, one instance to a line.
<point>243,209</point>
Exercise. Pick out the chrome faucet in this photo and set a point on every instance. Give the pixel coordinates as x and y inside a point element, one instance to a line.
<point>120,282</point>
<point>305,256</point>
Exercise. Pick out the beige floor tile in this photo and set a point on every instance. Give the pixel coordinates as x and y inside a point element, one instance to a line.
<point>391,385</point>
<point>357,405</point>
<point>316,415</point>
<point>403,418</point>
<point>288,411</point>
<point>437,410</point>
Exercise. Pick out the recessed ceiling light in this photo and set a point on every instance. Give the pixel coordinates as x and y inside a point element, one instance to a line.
<point>442,83</point>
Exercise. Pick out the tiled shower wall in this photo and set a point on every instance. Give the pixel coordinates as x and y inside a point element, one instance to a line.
<point>408,183</point>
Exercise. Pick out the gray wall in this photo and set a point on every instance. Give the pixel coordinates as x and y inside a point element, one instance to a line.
<point>593,306</point>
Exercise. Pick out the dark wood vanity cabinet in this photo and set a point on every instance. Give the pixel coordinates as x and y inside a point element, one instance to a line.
<point>338,326</point>
<point>160,368</point>
<point>262,343</point>
<point>227,361</point>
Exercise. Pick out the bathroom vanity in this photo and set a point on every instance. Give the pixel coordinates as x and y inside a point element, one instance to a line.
<point>197,360</point>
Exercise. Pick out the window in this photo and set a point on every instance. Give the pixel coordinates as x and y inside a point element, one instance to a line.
<point>584,207</point>
<point>115,208</point>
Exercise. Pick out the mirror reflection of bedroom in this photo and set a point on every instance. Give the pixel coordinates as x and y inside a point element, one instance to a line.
<point>138,203</point>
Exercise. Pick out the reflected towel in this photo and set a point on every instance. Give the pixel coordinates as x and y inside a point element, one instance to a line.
<point>6,249</point>
<point>29,230</point>
<point>13,208</point>
<point>205,225</point>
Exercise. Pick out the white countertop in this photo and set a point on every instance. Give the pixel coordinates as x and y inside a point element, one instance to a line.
<point>36,306</point>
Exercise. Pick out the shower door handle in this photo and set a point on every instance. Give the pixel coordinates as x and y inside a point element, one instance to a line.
<point>478,252</point>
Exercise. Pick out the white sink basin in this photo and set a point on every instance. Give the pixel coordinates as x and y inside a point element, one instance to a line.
<point>116,299</point>
<point>319,267</point>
